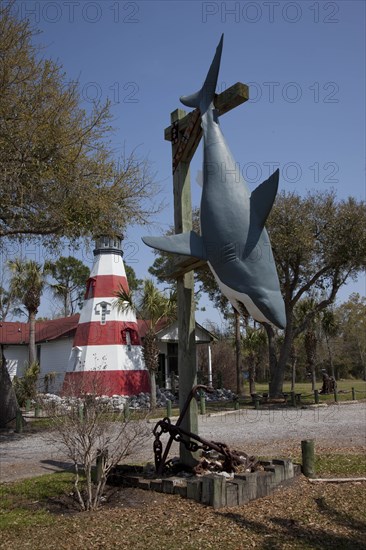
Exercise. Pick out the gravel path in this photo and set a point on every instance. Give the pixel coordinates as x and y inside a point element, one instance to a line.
<point>276,432</point>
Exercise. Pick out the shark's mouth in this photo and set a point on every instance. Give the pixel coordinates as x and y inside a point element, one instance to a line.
<point>236,298</point>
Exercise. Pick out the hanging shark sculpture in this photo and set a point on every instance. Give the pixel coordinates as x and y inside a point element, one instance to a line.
<point>233,239</point>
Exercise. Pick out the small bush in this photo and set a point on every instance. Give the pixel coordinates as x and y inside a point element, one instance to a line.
<point>26,387</point>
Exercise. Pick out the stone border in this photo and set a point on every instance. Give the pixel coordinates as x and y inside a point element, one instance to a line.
<point>216,490</point>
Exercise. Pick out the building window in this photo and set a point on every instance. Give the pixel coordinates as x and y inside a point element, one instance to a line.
<point>103,314</point>
<point>128,340</point>
<point>90,285</point>
<point>102,310</point>
<point>130,337</point>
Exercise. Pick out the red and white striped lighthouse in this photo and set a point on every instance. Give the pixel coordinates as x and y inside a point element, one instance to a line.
<point>106,357</point>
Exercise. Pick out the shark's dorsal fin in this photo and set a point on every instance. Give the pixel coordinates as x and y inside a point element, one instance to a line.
<point>186,244</point>
<point>262,198</point>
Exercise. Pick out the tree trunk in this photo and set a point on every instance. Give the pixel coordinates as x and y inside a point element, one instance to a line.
<point>152,390</point>
<point>252,373</point>
<point>313,377</point>
<point>67,308</point>
<point>239,384</point>
<point>277,367</point>
<point>330,355</point>
<point>8,401</point>
<point>32,337</point>
<point>310,349</point>
<point>293,379</point>
<point>275,372</point>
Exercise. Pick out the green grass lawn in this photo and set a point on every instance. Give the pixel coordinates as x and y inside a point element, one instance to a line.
<point>344,393</point>
<point>305,387</point>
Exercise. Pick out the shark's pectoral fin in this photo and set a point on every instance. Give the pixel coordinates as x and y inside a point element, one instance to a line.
<point>262,198</point>
<point>186,244</point>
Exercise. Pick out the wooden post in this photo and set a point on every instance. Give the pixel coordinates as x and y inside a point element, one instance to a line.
<point>126,412</point>
<point>187,369</point>
<point>202,404</point>
<point>19,422</point>
<point>316,397</point>
<point>308,457</point>
<point>293,399</point>
<point>102,456</point>
<point>353,394</point>
<point>168,408</point>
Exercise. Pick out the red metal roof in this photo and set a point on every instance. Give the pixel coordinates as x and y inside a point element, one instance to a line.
<point>143,326</point>
<point>18,333</point>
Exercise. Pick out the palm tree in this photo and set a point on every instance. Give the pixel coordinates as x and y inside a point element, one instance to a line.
<point>152,306</point>
<point>26,284</point>
<point>7,301</point>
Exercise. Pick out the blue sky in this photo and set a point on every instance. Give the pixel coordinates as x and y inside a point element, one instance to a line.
<point>304,62</point>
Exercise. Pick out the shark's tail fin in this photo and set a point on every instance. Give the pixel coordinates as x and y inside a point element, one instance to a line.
<point>204,97</point>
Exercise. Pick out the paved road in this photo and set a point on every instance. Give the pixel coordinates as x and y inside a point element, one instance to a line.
<point>264,432</point>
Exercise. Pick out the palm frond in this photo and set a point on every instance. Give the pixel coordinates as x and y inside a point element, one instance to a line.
<point>124,301</point>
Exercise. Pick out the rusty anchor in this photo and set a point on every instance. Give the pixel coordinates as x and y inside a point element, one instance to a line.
<point>193,442</point>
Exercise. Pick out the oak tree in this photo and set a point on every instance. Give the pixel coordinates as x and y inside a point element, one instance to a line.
<point>319,244</point>
<point>59,175</point>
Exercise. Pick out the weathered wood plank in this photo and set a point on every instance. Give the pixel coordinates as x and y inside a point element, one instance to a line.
<point>226,101</point>
<point>185,294</point>
<point>185,264</point>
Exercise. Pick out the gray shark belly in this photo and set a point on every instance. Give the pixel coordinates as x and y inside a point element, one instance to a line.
<point>245,278</point>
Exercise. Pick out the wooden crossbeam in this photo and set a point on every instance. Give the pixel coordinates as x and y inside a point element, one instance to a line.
<point>185,264</point>
<point>226,101</point>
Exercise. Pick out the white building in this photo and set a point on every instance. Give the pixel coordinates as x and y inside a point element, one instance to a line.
<point>55,340</point>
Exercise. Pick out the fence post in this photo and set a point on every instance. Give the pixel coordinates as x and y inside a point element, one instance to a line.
<point>126,411</point>
<point>202,403</point>
<point>37,409</point>
<point>316,397</point>
<point>100,463</point>
<point>256,401</point>
<point>335,395</point>
<point>293,399</point>
<point>353,394</point>
<point>81,413</point>
<point>18,422</point>
<point>308,457</point>
<point>168,408</point>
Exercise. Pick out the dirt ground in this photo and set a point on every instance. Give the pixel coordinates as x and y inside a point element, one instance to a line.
<point>273,433</point>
